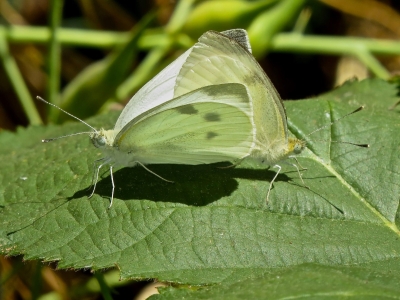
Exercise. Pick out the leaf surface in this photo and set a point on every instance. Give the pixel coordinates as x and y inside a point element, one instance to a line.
<point>213,225</point>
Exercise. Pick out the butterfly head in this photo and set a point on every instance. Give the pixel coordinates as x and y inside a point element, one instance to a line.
<point>102,138</point>
<point>296,146</point>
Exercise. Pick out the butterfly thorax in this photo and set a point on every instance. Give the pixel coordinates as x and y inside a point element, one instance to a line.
<point>278,152</point>
<point>104,140</point>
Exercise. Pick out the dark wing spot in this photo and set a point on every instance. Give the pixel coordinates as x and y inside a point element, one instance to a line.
<point>212,117</point>
<point>187,110</point>
<point>251,79</point>
<point>224,89</point>
<point>211,135</point>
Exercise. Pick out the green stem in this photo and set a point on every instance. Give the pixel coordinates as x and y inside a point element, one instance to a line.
<point>105,290</point>
<point>269,23</point>
<point>142,73</point>
<point>372,63</point>
<point>282,42</point>
<point>17,81</point>
<point>286,42</point>
<point>138,78</point>
<point>109,279</point>
<point>54,58</point>
<point>293,42</point>
<point>358,47</point>
<point>179,16</point>
<point>81,37</point>
<point>302,21</point>
<point>37,281</point>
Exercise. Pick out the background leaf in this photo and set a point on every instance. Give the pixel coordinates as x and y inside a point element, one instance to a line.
<point>98,82</point>
<point>213,225</point>
<point>305,281</point>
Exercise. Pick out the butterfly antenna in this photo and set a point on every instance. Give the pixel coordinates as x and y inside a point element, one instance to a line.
<point>337,120</point>
<point>59,108</point>
<point>60,137</point>
<point>350,143</point>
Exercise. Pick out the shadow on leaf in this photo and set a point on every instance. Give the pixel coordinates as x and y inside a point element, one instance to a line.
<point>193,185</point>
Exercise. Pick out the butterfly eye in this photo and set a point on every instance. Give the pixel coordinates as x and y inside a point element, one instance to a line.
<point>98,141</point>
<point>298,147</point>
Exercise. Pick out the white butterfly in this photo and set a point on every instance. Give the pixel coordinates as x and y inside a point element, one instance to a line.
<point>203,125</point>
<point>214,103</point>
<point>226,58</point>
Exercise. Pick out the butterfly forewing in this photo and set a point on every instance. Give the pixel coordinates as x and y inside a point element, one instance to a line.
<point>217,59</point>
<point>155,92</point>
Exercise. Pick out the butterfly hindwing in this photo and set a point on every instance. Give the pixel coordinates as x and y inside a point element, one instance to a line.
<point>208,125</point>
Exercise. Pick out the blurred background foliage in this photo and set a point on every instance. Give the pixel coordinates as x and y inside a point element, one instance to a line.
<point>91,56</point>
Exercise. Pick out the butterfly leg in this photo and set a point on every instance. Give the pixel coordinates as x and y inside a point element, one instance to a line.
<point>297,162</point>
<point>298,171</point>
<point>97,179</point>
<point>273,179</point>
<point>150,171</point>
<point>113,186</point>
<point>94,170</point>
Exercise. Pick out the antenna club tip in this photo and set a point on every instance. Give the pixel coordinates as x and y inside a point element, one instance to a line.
<point>358,109</point>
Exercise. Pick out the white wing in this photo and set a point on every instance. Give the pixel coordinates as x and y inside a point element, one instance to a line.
<point>158,90</point>
<point>161,88</point>
<point>197,128</point>
<point>217,59</point>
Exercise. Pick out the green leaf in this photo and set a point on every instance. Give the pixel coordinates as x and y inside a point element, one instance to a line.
<point>213,226</point>
<point>305,281</point>
<point>373,93</point>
